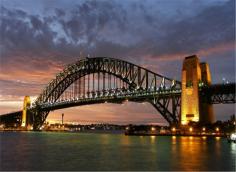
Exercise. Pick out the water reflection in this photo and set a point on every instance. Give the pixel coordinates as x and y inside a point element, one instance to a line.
<point>190,151</point>
<point>125,140</point>
<point>153,139</point>
<point>105,139</point>
<point>44,151</point>
<point>173,138</point>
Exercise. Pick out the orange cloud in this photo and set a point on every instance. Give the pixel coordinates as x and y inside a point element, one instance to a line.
<point>222,48</point>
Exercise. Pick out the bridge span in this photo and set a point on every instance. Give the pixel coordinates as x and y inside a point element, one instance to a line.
<point>109,80</point>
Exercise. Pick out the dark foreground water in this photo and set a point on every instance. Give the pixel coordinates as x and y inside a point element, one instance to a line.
<point>88,151</point>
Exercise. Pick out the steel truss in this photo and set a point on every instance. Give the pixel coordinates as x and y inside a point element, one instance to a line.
<point>101,80</point>
<point>101,77</point>
<point>219,93</point>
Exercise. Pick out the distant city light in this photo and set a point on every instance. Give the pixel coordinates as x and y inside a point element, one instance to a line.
<point>203,129</point>
<point>190,129</point>
<point>217,129</point>
<point>153,128</point>
<point>173,129</point>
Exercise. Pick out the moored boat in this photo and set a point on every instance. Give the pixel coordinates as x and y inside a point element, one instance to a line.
<point>232,137</point>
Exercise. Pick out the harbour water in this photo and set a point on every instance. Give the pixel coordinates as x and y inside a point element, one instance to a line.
<point>91,151</point>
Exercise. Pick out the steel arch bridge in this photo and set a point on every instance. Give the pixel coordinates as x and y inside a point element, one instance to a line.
<point>101,80</point>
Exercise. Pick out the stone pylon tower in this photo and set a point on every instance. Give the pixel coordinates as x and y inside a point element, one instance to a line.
<point>26,104</point>
<point>206,110</point>
<point>193,75</point>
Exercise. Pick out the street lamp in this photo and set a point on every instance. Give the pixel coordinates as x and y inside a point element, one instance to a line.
<point>153,129</point>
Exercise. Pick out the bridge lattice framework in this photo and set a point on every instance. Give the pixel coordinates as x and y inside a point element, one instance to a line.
<point>102,79</point>
<point>94,79</point>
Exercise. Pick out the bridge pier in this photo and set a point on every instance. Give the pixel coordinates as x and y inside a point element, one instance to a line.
<point>194,76</point>
<point>26,105</point>
<point>206,109</point>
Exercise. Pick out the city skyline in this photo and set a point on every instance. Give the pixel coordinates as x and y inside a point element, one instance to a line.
<point>52,34</point>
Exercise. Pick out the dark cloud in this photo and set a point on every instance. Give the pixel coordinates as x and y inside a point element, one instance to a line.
<point>109,28</point>
<point>59,12</point>
<point>213,26</point>
<point>90,18</point>
<point>26,34</point>
<point>93,26</point>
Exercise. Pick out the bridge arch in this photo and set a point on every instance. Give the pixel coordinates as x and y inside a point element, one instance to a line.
<point>137,78</point>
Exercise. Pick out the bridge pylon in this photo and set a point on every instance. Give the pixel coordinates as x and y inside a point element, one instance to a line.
<point>194,76</point>
<point>26,105</point>
<point>206,109</point>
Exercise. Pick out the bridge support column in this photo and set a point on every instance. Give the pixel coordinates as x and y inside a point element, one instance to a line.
<point>26,104</point>
<point>194,75</point>
<point>39,117</point>
<point>206,109</point>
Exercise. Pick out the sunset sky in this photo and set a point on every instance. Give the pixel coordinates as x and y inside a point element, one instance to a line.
<point>39,37</point>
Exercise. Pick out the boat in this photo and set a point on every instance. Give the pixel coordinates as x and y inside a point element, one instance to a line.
<point>232,137</point>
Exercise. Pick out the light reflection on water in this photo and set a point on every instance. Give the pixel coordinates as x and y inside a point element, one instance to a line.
<point>87,151</point>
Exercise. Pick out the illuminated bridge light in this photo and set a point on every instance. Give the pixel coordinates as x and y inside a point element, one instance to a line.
<point>153,129</point>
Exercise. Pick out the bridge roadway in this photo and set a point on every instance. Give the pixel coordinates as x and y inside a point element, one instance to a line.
<point>218,93</point>
<point>215,94</point>
<point>115,97</point>
<point>112,96</point>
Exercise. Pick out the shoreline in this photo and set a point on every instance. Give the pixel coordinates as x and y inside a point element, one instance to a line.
<point>123,132</point>
<point>187,135</point>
